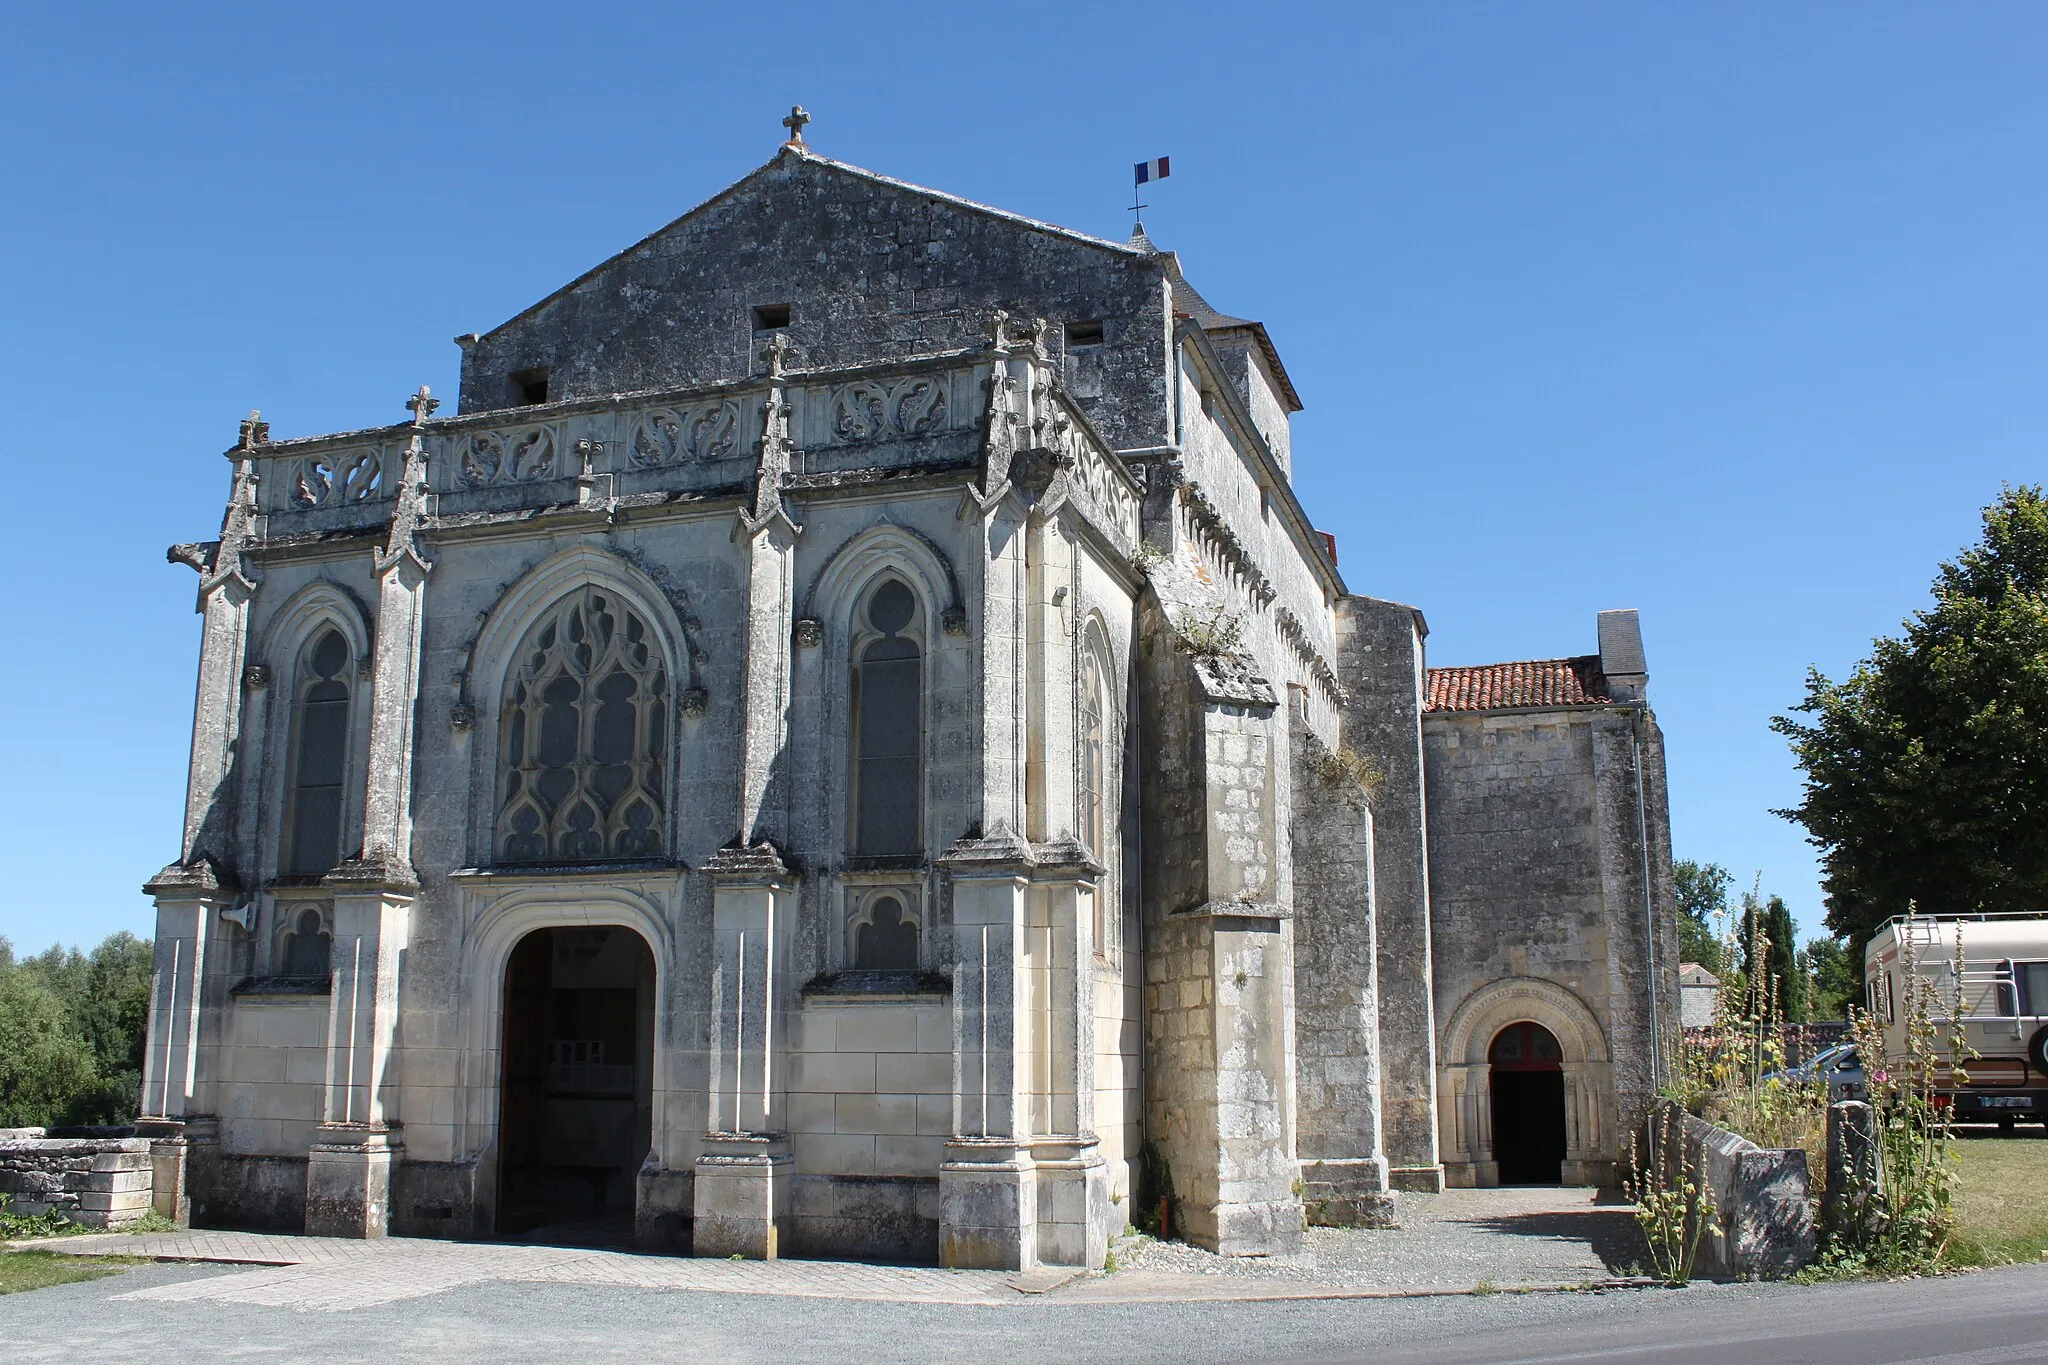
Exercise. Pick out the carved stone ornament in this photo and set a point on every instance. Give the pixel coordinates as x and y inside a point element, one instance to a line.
<point>256,677</point>
<point>491,457</point>
<point>874,411</point>
<point>810,633</point>
<point>668,436</point>
<point>953,620</point>
<point>462,716</point>
<point>691,701</point>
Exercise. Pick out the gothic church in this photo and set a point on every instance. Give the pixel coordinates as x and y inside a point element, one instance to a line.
<point>844,741</point>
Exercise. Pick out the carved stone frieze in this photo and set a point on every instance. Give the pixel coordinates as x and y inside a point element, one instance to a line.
<point>338,478</point>
<point>668,436</point>
<point>500,457</point>
<point>873,410</point>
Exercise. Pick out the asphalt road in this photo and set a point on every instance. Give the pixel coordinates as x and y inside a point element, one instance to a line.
<point>1994,1316</point>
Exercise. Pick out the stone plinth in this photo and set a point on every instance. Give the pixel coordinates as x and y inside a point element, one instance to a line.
<point>742,1195</point>
<point>988,1205</point>
<point>348,1180</point>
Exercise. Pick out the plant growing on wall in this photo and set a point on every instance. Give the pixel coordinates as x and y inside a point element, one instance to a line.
<point>1219,634</point>
<point>1907,1216</point>
<point>1674,1205</point>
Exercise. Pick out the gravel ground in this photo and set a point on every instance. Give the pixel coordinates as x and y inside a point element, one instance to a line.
<point>1457,1239</point>
<point>511,1324</point>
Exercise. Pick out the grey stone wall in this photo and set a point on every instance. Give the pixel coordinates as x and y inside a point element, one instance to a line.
<point>96,1183</point>
<point>1379,662</point>
<point>1337,1009</point>
<point>1537,871</point>
<point>1763,1203</point>
<point>907,271</point>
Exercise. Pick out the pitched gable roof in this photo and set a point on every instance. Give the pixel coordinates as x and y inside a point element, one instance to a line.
<point>809,159</point>
<point>1532,683</point>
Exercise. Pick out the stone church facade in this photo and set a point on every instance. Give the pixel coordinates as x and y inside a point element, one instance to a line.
<point>846,742</point>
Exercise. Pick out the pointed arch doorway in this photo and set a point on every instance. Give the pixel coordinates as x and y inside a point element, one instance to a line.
<point>1526,1076</point>
<point>576,1094</point>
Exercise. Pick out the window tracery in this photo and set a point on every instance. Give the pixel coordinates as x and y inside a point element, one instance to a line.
<point>888,730</point>
<point>319,757</point>
<point>885,937</point>
<point>1094,729</point>
<point>584,736</point>
<point>308,948</point>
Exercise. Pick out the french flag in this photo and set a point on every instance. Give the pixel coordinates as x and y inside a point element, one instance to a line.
<point>1152,170</point>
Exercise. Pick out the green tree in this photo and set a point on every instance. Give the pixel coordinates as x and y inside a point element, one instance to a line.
<point>71,1033</point>
<point>1927,768</point>
<point>1767,924</point>
<point>44,1066</point>
<point>1833,977</point>
<point>1702,896</point>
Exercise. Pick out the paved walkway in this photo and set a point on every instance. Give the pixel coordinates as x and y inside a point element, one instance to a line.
<point>1452,1243</point>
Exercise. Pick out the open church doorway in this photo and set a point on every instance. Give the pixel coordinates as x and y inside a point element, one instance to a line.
<point>576,1095</point>
<point>1527,1075</point>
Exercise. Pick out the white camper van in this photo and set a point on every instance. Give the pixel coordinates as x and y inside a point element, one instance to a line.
<point>2003,988</point>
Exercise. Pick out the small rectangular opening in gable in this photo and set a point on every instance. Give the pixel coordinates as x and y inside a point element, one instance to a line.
<point>530,387</point>
<point>1080,334</point>
<point>771,317</point>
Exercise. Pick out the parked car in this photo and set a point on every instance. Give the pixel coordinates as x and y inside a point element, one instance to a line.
<point>1838,1065</point>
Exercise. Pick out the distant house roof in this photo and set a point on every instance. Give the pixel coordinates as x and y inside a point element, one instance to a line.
<point>1530,682</point>
<point>1693,974</point>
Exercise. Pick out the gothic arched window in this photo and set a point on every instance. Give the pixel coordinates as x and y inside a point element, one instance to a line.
<point>888,727</point>
<point>308,947</point>
<point>319,756</point>
<point>1094,754</point>
<point>585,731</point>
<point>886,939</point>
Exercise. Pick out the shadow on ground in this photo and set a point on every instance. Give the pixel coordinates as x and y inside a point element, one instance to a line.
<point>1610,1233</point>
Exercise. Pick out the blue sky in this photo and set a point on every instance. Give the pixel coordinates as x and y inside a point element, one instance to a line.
<point>1731,313</point>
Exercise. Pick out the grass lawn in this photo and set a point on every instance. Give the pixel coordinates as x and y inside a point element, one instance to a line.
<point>21,1270</point>
<point>2001,1200</point>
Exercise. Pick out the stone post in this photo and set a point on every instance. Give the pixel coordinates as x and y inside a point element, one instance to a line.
<point>1219,987</point>
<point>1343,1162</point>
<point>187,985</point>
<point>349,1166</point>
<point>1854,1178</point>
<point>988,1192</point>
<point>1380,662</point>
<point>1073,1180</point>
<point>742,1187</point>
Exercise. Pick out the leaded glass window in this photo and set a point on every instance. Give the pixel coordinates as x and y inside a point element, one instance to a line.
<point>1094,754</point>
<point>888,739</point>
<point>584,736</point>
<point>319,757</point>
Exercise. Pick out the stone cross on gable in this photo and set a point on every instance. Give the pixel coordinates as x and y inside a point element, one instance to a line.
<point>421,405</point>
<point>795,123</point>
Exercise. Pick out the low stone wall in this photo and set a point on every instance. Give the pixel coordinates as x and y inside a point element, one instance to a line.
<point>1763,1203</point>
<point>95,1182</point>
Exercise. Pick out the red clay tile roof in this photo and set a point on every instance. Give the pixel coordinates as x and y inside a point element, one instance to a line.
<point>1533,682</point>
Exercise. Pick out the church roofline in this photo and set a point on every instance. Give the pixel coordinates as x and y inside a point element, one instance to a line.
<point>843,168</point>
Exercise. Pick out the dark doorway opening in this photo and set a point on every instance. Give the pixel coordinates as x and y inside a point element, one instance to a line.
<point>576,1097</point>
<point>1528,1105</point>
